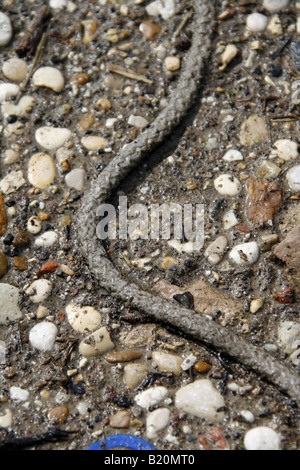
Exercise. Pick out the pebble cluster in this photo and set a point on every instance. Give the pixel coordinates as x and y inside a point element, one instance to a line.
<point>62,122</point>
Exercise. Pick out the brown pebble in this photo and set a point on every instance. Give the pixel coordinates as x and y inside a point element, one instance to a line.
<point>58,414</point>
<point>48,268</point>
<point>3,265</point>
<point>20,263</point>
<point>3,217</point>
<point>44,216</point>
<point>21,239</point>
<point>150,29</point>
<point>285,297</point>
<point>202,367</point>
<point>123,356</point>
<point>120,420</point>
<point>81,79</point>
<point>86,122</point>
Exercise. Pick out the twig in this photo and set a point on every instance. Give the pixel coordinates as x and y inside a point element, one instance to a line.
<point>188,16</point>
<point>28,43</point>
<point>129,73</point>
<point>34,63</point>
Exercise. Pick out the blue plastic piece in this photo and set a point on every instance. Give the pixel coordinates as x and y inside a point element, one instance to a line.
<point>121,440</point>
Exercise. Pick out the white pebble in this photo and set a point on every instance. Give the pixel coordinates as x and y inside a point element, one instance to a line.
<point>7,91</point>
<point>230,220</point>
<point>49,77</point>
<point>15,69</point>
<point>257,22</point>
<point>83,319</point>
<point>293,178</point>
<point>248,416</point>
<point>10,156</point>
<point>6,419</point>
<point>289,336</point>
<point>46,239</point>
<point>156,421</point>
<point>286,149</point>
<point>201,399</point>
<point>262,438</point>
<point>12,182</point>
<point>5,29</point>
<point>57,4</point>
<point>165,8</point>
<point>151,397</point>
<point>41,170</point>
<point>52,137</point>
<point>75,179</point>
<point>273,6</point>
<point>43,335</point>
<point>18,394</point>
<point>39,290</point>
<point>34,225</point>
<point>233,156</point>
<point>245,254</point>
<point>138,121</point>
<point>24,106</point>
<point>9,306</point>
<point>97,343</point>
<point>189,362</point>
<point>94,142</point>
<point>228,185</point>
<point>214,253</point>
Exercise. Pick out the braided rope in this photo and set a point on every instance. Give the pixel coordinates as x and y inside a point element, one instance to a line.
<point>170,312</point>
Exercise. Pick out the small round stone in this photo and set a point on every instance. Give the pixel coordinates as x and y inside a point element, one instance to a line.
<point>34,225</point>
<point>257,22</point>
<point>15,69</point>
<point>10,156</point>
<point>41,171</point>
<point>228,185</point>
<point>134,374</point>
<point>120,420</point>
<point>20,263</point>
<point>52,138</point>
<point>167,362</point>
<point>138,121</point>
<point>94,142</point>
<point>58,414</point>
<point>49,77</point>
<point>75,179</point>
<point>245,254</point>
<point>274,6</point>
<point>43,335</point>
<point>233,155</point>
<point>156,421</point>
<point>96,343</point>
<point>286,149</point>
<point>5,29</point>
<point>47,239</point>
<point>83,319</point>
<point>7,91</point>
<point>293,178</point>
<point>262,438</point>
<point>172,63</point>
<point>39,290</point>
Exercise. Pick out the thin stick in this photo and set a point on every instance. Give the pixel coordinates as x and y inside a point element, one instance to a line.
<point>32,68</point>
<point>129,74</point>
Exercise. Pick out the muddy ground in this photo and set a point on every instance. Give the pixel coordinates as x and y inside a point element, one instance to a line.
<point>182,171</point>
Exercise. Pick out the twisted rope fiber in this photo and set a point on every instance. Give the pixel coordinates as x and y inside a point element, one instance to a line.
<point>155,307</point>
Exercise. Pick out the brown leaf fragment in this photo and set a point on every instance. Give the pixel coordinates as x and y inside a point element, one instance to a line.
<point>263,200</point>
